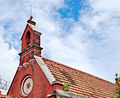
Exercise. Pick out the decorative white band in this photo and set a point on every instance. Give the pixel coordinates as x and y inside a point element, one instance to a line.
<point>45,69</point>
<point>27,85</point>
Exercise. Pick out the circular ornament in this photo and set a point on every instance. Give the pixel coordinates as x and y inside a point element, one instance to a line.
<point>27,85</point>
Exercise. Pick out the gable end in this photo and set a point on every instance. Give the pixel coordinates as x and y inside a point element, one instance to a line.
<point>45,69</point>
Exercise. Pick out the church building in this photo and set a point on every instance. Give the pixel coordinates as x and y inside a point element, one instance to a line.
<point>40,77</point>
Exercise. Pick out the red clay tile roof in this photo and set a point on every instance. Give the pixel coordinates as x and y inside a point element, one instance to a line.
<point>80,82</point>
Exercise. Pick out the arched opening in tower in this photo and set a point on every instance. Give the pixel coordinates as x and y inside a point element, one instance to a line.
<point>28,39</point>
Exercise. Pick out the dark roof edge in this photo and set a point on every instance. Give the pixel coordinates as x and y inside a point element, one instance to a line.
<point>66,94</point>
<point>57,83</point>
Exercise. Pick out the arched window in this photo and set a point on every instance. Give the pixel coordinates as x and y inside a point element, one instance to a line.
<point>28,39</point>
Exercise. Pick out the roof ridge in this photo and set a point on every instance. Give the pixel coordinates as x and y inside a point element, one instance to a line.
<point>80,71</point>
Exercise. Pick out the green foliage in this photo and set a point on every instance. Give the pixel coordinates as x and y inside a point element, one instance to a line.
<point>117,91</point>
<point>66,87</point>
<point>115,96</point>
<point>118,80</point>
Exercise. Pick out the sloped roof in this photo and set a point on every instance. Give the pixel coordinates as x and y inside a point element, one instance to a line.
<point>34,28</point>
<point>80,82</point>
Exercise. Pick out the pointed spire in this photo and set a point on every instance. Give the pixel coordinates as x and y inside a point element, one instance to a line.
<point>30,21</point>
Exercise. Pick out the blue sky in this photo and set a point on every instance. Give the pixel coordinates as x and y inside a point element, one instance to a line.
<point>72,8</point>
<point>84,34</point>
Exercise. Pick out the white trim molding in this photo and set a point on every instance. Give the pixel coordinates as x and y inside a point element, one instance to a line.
<point>45,69</point>
<point>34,28</point>
<point>49,95</point>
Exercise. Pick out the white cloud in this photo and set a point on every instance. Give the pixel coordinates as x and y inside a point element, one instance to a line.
<point>13,19</point>
<point>91,44</point>
<point>8,59</point>
<point>100,24</point>
<point>8,62</point>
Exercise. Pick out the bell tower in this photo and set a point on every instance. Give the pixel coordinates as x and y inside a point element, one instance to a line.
<point>30,81</point>
<point>30,42</point>
<point>25,78</point>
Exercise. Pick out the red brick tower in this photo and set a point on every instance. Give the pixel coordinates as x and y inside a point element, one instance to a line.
<point>30,42</point>
<point>30,81</point>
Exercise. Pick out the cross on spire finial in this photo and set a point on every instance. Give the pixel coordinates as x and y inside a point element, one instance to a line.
<point>31,21</point>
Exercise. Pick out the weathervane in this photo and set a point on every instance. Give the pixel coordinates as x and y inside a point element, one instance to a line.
<point>30,8</point>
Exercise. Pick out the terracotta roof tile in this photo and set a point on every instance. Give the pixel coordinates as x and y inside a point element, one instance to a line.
<point>80,82</point>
